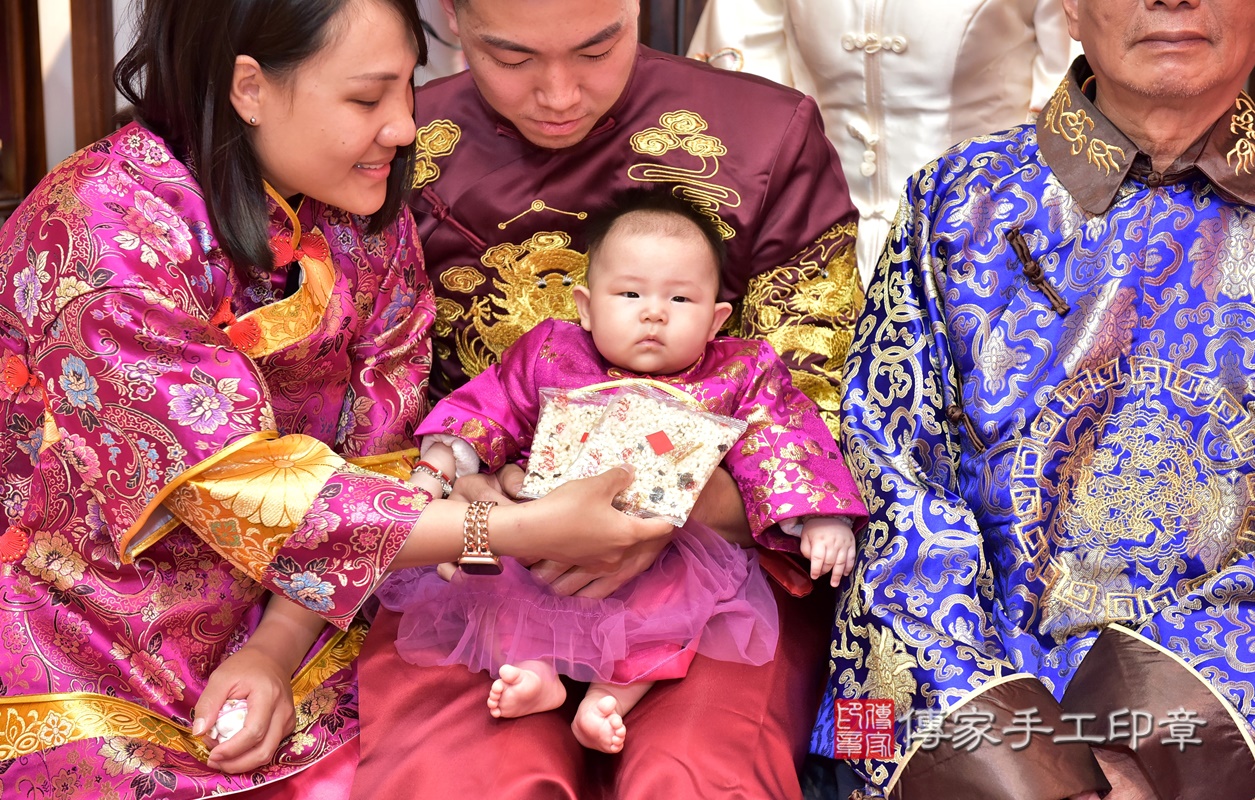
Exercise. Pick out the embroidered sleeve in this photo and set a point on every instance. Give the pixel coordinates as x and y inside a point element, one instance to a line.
<point>496,411</point>
<point>803,292</point>
<point>162,416</point>
<point>787,465</point>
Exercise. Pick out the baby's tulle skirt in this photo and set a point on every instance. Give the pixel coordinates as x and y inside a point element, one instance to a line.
<point>702,595</point>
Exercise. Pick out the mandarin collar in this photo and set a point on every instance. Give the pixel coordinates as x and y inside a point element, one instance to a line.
<point>1091,157</point>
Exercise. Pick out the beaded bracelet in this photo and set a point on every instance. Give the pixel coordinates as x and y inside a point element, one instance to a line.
<point>427,468</point>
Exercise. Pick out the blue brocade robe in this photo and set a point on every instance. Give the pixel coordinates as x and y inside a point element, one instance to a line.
<point>1051,414</point>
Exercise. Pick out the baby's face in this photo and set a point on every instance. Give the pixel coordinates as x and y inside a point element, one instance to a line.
<point>651,301</point>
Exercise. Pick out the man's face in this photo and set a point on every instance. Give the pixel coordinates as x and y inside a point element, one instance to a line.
<point>1166,49</point>
<point>551,67</point>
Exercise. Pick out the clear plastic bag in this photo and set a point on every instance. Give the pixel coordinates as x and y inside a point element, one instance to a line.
<point>673,446</point>
<point>566,420</point>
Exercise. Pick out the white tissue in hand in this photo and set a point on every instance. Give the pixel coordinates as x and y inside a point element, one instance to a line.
<point>230,720</point>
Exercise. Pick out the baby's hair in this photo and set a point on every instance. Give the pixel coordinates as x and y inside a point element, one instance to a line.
<point>653,210</point>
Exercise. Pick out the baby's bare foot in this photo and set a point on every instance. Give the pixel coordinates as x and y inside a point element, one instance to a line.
<point>598,725</point>
<point>526,689</point>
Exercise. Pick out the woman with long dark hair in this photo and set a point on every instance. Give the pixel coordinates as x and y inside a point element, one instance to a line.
<point>213,339</point>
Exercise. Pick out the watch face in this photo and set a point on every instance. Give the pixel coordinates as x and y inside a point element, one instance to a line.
<point>480,565</point>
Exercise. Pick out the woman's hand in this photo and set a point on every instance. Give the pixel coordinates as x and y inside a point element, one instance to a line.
<point>576,524</point>
<point>260,673</point>
<point>255,675</point>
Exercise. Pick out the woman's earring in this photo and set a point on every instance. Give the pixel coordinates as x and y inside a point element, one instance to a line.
<point>252,120</point>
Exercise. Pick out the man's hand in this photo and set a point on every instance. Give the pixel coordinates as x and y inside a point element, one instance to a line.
<point>568,580</point>
<point>482,486</point>
<point>720,507</point>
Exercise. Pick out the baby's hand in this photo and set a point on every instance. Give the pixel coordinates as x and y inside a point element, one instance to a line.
<point>429,483</point>
<point>438,458</point>
<point>829,543</point>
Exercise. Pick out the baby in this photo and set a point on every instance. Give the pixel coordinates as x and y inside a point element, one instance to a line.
<point>650,309</point>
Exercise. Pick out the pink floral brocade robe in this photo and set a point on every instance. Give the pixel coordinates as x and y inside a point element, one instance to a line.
<point>174,445</point>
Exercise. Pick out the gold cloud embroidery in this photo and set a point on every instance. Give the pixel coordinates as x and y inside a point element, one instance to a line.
<point>434,140</point>
<point>685,130</point>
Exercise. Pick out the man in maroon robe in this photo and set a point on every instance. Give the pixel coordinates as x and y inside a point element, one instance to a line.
<point>561,110</point>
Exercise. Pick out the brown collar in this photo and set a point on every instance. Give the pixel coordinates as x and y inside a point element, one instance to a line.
<point>1092,157</point>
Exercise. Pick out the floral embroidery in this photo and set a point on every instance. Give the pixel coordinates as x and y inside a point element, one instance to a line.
<point>54,730</point>
<point>53,559</point>
<point>79,455</point>
<point>139,145</point>
<point>318,521</point>
<point>26,296</point>
<point>71,634</point>
<point>33,443</point>
<point>399,306</point>
<point>200,407</point>
<point>80,388</point>
<point>159,675</point>
<point>67,289</point>
<point>124,755</point>
<point>155,228</point>
<point>277,488</point>
<point>308,589</point>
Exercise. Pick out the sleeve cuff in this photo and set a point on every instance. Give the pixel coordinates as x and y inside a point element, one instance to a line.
<point>465,457</point>
<point>1186,729</point>
<point>1019,767</point>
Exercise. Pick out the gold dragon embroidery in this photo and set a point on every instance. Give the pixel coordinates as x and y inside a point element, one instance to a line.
<point>532,282</point>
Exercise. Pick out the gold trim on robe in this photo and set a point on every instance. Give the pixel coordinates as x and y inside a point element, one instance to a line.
<point>247,506</point>
<point>394,465</point>
<point>155,522</point>
<point>33,723</point>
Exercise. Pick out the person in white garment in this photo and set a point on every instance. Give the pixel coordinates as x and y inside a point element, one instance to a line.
<point>444,51</point>
<point>898,81</point>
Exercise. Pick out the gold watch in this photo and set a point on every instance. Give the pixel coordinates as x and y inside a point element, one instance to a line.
<point>477,557</point>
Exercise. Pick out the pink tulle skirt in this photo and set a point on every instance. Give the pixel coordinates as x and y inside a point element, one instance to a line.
<point>702,595</point>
